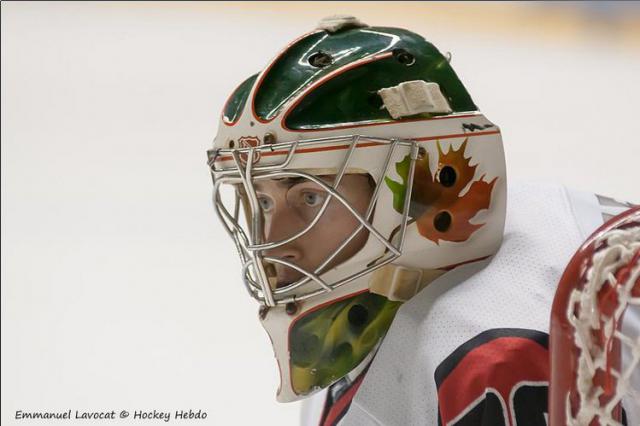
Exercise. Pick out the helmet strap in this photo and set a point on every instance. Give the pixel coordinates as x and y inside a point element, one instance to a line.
<point>401,283</point>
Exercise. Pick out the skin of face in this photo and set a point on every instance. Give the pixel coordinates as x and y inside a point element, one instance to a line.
<point>289,205</point>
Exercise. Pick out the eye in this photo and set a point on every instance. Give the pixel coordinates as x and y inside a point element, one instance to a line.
<point>266,204</point>
<point>312,199</point>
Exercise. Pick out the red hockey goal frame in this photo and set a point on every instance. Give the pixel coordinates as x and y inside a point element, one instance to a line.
<point>601,280</point>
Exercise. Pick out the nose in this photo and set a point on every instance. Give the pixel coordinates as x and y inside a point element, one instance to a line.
<point>282,224</point>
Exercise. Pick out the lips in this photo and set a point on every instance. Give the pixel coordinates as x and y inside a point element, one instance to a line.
<point>287,276</point>
<point>288,280</point>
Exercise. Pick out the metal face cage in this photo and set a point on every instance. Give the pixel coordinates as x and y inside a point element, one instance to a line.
<point>250,243</point>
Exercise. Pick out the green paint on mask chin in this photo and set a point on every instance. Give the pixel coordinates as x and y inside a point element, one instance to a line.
<point>329,342</point>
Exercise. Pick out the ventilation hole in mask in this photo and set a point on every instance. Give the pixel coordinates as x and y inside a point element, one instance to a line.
<point>291,308</point>
<point>404,57</point>
<point>358,316</point>
<point>447,176</point>
<point>269,138</point>
<point>320,60</point>
<point>442,221</point>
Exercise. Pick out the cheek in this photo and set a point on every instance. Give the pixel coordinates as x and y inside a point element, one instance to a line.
<point>337,222</point>
<point>358,194</point>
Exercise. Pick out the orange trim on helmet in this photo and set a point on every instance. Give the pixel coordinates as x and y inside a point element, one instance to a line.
<point>365,144</point>
<point>458,135</point>
<point>384,123</point>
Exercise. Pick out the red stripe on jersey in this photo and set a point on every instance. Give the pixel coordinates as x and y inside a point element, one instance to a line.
<point>497,366</point>
<point>339,407</point>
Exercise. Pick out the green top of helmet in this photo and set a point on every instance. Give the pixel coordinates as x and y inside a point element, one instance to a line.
<point>346,66</point>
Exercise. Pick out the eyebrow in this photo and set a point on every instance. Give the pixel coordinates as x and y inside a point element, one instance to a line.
<point>291,181</point>
<point>287,182</point>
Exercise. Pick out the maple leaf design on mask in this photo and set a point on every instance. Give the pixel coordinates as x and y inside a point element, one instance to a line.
<point>437,206</point>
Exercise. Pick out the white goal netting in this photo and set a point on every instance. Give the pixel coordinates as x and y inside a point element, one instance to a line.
<point>604,315</point>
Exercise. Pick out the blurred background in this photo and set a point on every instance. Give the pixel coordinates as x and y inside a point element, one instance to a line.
<point>119,288</point>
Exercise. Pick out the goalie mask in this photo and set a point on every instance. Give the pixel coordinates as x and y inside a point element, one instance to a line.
<point>351,172</point>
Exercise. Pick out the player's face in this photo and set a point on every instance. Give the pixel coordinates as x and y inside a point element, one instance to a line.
<point>290,205</point>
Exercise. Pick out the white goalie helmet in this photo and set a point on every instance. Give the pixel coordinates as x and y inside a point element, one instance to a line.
<point>348,99</point>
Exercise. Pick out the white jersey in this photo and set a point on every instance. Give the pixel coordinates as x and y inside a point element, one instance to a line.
<point>471,348</point>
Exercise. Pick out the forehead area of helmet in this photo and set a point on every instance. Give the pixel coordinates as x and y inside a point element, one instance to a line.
<point>286,182</point>
<point>323,177</point>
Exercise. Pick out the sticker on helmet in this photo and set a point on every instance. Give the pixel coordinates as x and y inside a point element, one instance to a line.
<point>439,210</point>
<point>249,142</point>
